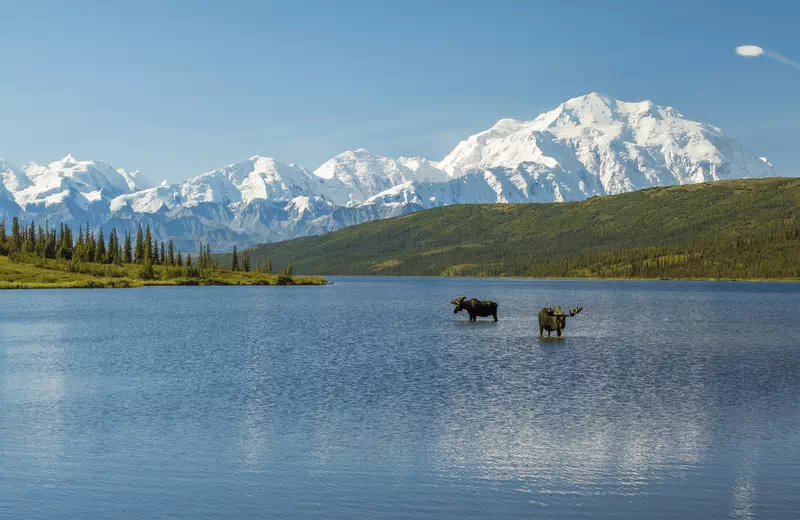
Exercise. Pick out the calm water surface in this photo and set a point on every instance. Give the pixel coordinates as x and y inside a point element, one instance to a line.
<point>371,399</point>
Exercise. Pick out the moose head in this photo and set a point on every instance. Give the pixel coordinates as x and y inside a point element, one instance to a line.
<point>458,303</point>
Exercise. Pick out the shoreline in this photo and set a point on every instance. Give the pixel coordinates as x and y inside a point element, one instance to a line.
<point>574,278</point>
<point>116,284</point>
<point>139,284</point>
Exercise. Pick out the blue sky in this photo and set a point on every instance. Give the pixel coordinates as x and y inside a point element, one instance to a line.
<point>179,88</point>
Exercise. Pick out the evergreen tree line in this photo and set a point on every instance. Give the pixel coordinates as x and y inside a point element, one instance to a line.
<point>242,263</point>
<point>60,244</point>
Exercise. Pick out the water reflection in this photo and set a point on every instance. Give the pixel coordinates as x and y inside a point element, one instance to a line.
<point>744,491</point>
<point>35,397</point>
<point>370,397</point>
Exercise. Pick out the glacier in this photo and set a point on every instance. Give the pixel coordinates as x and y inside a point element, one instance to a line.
<point>587,146</point>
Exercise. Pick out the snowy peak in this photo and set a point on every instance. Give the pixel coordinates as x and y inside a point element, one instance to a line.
<point>597,145</point>
<point>60,180</point>
<point>273,180</point>
<point>365,174</point>
<point>424,170</point>
<point>135,180</point>
<point>12,178</point>
<point>150,201</point>
<point>67,161</point>
<point>253,179</point>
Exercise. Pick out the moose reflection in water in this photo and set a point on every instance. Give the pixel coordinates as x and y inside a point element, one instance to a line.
<point>554,319</point>
<point>475,307</point>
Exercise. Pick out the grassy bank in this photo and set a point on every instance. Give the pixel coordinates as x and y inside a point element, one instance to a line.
<point>52,274</point>
<point>732,230</point>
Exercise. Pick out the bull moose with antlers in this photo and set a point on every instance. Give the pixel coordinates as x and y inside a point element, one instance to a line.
<point>554,319</point>
<point>475,307</point>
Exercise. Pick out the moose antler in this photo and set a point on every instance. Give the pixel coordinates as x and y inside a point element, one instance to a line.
<point>457,301</point>
<point>572,312</point>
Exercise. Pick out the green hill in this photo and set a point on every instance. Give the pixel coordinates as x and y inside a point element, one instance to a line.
<point>734,229</point>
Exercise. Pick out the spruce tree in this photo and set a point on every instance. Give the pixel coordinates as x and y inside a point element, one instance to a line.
<point>139,251</point>
<point>289,269</point>
<point>162,256</point>
<point>16,236</point>
<point>234,260</point>
<point>3,238</point>
<point>171,253</point>
<point>188,259</point>
<point>245,261</point>
<point>78,253</point>
<point>52,244</point>
<point>179,260</point>
<point>91,246</point>
<point>269,264</point>
<point>41,242</point>
<point>148,245</point>
<point>127,250</point>
<point>113,245</point>
<point>65,243</point>
<point>30,238</point>
<point>100,248</point>
<point>147,269</point>
<point>80,248</point>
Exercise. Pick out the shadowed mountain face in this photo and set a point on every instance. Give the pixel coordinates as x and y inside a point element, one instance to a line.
<point>590,145</point>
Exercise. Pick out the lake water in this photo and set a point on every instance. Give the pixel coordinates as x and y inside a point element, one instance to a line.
<point>369,398</point>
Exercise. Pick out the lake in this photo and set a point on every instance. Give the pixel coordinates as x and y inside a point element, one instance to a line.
<point>370,398</point>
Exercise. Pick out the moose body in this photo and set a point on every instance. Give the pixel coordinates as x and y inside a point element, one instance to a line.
<point>553,319</point>
<point>475,308</point>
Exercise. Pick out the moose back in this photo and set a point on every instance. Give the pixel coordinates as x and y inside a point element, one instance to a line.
<point>475,307</point>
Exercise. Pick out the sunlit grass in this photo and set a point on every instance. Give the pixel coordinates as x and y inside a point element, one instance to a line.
<point>43,274</point>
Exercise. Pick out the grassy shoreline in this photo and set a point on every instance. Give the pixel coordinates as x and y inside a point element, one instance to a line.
<point>51,274</point>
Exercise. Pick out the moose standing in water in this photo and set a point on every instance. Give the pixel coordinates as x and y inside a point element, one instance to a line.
<point>554,319</point>
<point>475,307</point>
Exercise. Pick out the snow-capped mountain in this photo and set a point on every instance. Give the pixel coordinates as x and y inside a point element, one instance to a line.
<point>359,175</point>
<point>596,145</point>
<point>13,179</point>
<point>589,145</point>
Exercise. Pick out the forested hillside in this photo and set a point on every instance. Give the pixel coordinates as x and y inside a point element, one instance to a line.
<point>732,229</point>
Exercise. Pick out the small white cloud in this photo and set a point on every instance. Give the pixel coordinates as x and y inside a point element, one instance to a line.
<point>749,50</point>
<point>752,51</point>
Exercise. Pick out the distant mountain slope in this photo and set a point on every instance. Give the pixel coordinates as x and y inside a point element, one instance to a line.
<point>729,229</point>
<point>590,145</point>
<point>8,207</point>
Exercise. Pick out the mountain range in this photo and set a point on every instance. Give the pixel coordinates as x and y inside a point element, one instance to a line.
<point>587,146</point>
